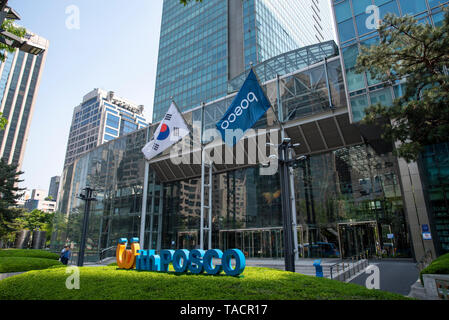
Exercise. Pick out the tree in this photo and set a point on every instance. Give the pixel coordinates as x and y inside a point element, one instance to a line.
<point>35,220</point>
<point>417,54</point>
<point>9,194</point>
<point>8,25</point>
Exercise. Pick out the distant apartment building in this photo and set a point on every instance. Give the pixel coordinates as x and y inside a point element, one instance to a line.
<point>20,76</point>
<point>54,187</point>
<point>38,200</point>
<point>102,116</point>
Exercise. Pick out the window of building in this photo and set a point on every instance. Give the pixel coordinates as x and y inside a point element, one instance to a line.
<point>354,80</point>
<point>128,127</point>
<point>412,7</point>
<point>113,121</point>
<point>346,30</point>
<point>111,131</point>
<point>108,137</point>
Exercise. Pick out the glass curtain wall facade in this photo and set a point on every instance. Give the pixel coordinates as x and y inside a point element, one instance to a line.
<point>195,53</point>
<point>193,60</point>
<point>116,171</point>
<point>353,18</point>
<point>354,31</point>
<point>435,162</point>
<point>275,26</point>
<point>348,199</point>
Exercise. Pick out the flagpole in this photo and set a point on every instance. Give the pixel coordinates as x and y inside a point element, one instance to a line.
<point>177,108</point>
<point>144,198</point>
<point>147,169</point>
<point>281,125</point>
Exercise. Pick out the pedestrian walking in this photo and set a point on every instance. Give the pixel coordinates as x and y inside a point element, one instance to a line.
<point>65,255</point>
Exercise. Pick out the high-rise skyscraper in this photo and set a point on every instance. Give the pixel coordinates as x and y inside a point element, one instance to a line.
<point>102,116</point>
<point>20,76</point>
<point>54,187</point>
<point>203,45</point>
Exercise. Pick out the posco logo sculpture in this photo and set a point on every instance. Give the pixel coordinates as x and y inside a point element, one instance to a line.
<point>196,261</point>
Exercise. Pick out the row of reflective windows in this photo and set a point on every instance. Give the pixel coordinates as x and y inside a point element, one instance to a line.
<point>357,18</point>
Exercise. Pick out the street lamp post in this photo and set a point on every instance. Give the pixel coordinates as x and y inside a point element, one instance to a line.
<point>11,39</point>
<point>285,163</point>
<point>289,252</point>
<point>88,198</point>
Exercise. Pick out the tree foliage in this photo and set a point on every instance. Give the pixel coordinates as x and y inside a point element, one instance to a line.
<point>35,220</point>
<point>417,55</point>
<point>9,26</point>
<point>9,194</point>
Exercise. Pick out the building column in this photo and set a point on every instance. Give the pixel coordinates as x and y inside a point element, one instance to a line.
<point>415,207</point>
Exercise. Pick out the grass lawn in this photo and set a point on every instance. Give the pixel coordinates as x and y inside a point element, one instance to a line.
<point>110,283</point>
<point>19,264</point>
<point>438,266</point>
<point>30,253</point>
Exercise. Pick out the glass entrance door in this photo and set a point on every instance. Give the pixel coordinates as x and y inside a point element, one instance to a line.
<point>255,243</point>
<point>187,240</point>
<point>358,238</point>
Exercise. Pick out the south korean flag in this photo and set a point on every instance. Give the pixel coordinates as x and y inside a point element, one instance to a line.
<point>171,130</point>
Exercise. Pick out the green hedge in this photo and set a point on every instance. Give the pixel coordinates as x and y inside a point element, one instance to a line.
<point>438,266</point>
<point>19,264</point>
<point>29,253</point>
<point>110,283</point>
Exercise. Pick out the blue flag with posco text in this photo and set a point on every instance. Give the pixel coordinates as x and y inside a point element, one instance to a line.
<point>247,107</point>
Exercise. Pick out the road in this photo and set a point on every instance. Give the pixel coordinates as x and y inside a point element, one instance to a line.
<point>395,276</point>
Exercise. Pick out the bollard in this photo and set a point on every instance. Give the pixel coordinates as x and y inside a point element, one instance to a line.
<point>318,268</point>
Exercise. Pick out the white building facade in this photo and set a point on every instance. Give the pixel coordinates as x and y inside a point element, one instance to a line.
<point>102,116</point>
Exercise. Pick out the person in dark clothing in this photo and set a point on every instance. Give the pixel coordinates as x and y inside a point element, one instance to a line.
<point>65,255</point>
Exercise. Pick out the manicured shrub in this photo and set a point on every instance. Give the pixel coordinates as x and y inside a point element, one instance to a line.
<point>29,253</point>
<point>19,264</point>
<point>110,283</point>
<point>438,266</point>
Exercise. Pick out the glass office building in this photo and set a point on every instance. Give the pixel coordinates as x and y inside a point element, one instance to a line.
<point>352,18</point>
<point>102,116</point>
<point>20,76</point>
<point>352,22</point>
<point>348,194</point>
<point>203,45</point>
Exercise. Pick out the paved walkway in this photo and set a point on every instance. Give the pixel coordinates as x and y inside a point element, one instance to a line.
<point>395,276</point>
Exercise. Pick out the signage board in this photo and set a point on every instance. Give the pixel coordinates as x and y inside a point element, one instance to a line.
<point>427,236</point>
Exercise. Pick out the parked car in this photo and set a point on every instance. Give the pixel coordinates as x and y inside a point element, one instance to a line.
<point>320,249</point>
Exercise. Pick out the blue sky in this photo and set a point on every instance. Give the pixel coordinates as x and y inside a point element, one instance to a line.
<point>115,48</point>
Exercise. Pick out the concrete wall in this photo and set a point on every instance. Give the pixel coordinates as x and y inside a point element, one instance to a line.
<point>236,63</point>
<point>430,284</point>
<point>416,209</point>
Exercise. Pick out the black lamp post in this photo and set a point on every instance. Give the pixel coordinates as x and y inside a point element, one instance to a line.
<point>87,197</point>
<point>285,162</point>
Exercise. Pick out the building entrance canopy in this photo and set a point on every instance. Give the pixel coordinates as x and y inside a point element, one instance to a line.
<point>313,112</point>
